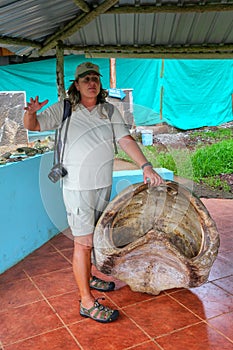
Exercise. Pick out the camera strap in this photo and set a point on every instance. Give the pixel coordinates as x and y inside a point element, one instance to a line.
<point>110,110</point>
<point>64,140</point>
<point>57,157</point>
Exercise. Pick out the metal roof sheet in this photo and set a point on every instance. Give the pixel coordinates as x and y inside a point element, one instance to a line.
<point>134,27</point>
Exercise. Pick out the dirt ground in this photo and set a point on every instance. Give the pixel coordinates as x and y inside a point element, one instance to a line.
<point>165,135</point>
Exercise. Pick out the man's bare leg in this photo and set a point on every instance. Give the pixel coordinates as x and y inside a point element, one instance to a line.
<point>82,270</point>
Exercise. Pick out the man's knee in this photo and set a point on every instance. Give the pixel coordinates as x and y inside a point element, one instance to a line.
<point>83,242</point>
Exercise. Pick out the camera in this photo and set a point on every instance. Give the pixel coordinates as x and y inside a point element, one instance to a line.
<point>57,172</point>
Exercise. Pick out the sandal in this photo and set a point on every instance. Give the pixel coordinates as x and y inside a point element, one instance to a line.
<point>99,313</point>
<point>100,285</point>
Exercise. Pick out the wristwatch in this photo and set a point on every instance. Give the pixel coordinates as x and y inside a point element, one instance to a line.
<point>146,164</point>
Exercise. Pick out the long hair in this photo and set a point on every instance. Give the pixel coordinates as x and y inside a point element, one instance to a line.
<point>75,96</point>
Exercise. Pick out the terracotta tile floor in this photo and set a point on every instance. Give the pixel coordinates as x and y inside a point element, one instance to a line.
<point>39,304</point>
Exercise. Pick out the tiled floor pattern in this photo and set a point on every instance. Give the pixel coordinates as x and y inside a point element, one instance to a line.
<point>39,305</point>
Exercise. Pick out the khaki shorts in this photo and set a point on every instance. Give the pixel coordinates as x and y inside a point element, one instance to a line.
<point>84,209</point>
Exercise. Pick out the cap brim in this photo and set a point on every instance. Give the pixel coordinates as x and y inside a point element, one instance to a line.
<point>88,72</point>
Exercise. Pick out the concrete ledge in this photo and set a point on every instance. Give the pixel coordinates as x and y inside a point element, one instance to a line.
<point>125,178</point>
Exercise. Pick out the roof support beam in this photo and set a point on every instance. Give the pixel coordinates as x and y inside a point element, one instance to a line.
<point>164,54</point>
<point>82,5</point>
<point>159,51</point>
<point>18,41</point>
<point>171,8</point>
<point>77,24</point>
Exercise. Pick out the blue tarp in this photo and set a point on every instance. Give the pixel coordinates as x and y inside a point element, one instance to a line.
<point>184,93</point>
<point>198,93</point>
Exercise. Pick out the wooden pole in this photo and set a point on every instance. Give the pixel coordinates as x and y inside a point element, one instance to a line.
<point>60,72</point>
<point>112,73</point>
<point>161,90</point>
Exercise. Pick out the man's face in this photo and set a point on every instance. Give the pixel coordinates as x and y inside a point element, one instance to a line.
<point>88,86</point>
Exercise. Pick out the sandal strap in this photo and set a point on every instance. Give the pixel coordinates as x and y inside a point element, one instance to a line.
<point>97,312</point>
<point>100,284</point>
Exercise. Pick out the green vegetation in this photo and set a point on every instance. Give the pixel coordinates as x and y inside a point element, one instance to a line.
<point>213,160</point>
<point>219,134</point>
<point>203,164</point>
<point>216,182</point>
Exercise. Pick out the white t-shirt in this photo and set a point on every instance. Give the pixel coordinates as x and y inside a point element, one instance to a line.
<point>89,151</point>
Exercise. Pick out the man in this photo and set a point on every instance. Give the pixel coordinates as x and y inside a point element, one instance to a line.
<point>88,160</point>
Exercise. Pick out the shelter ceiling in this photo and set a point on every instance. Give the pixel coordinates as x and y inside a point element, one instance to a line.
<point>133,28</point>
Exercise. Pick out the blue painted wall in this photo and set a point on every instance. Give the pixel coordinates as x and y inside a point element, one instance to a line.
<point>32,209</point>
<point>26,200</point>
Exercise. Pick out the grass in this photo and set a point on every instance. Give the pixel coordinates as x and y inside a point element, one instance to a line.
<point>219,134</point>
<point>213,160</point>
<point>203,164</point>
<point>216,182</point>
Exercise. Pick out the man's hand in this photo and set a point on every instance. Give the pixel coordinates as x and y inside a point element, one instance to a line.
<point>34,105</point>
<point>150,176</point>
<point>30,117</point>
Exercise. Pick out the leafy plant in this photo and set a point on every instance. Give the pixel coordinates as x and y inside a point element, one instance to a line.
<point>213,160</point>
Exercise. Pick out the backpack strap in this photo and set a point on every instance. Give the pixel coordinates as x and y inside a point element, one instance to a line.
<point>67,109</point>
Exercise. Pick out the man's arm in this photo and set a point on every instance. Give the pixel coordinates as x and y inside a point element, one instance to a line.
<point>30,119</point>
<point>130,146</point>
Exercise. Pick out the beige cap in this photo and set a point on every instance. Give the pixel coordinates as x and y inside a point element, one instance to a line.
<point>86,68</point>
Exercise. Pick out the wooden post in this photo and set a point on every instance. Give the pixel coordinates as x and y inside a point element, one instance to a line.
<point>112,73</point>
<point>60,71</point>
<point>161,103</point>
<point>161,90</point>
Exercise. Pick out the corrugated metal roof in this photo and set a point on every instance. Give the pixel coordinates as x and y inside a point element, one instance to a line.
<point>157,29</point>
<point>134,27</point>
